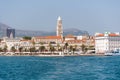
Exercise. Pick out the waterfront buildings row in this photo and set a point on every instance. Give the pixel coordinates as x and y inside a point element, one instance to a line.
<point>101,42</point>
<point>37,41</point>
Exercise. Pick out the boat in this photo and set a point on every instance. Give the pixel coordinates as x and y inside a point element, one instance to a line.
<point>113,53</point>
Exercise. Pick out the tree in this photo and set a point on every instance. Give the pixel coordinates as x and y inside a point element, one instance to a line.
<point>41,43</point>
<point>83,47</point>
<point>20,49</point>
<point>66,45</point>
<point>51,48</point>
<point>42,48</point>
<point>13,49</point>
<point>71,48</point>
<point>58,47</point>
<point>5,48</point>
<point>32,49</point>
<point>27,37</point>
<point>86,49</point>
<point>1,50</point>
<point>91,48</point>
<point>75,46</point>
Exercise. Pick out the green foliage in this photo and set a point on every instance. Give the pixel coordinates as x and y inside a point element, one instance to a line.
<point>1,50</point>
<point>27,38</point>
<point>91,48</point>
<point>52,49</point>
<point>42,48</point>
<point>13,49</point>
<point>32,49</point>
<point>66,45</point>
<point>83,47</point>
<point>71,48</point>
<point>20,49</point>
<point>5,48</point>
<point>60,49</point>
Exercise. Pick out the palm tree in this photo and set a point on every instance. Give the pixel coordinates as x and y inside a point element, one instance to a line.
<point>61,48</point>
<point>32,49</point>
<point>42,48</point>
<point>5,48</point>
<point>58,47</point>
<point>71,48</point>
<point>91,47</point>
<point>20,49</point>
<point>1,50</point>
<point>83,47</point>
<point>75,46</point>
<point>51,48</point>
<point>13,49</point>
<point>66,46</point>
<point>86,49</point>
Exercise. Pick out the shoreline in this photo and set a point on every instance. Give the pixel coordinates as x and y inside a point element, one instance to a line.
<point>51,55</point>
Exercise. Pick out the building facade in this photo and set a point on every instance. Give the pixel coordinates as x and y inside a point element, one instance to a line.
<point>107,42</point>
<point>10,33</point>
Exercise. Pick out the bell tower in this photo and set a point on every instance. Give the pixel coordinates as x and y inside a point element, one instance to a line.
<point>59,30</point>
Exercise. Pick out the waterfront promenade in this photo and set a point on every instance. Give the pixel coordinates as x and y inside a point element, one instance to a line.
<point>47,54</point>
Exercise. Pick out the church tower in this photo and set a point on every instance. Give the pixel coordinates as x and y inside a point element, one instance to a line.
<point>59,30</point>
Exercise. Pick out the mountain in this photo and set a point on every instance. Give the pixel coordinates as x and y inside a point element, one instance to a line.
<point>3,28</point>
<point>21,33</point>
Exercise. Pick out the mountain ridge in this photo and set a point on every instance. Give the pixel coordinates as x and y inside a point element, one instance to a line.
<point>21,33</point>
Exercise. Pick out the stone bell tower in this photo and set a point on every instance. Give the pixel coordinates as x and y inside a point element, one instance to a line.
<point>59,30</point>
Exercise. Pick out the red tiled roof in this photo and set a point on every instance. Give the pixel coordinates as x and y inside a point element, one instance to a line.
<point>48,37</point>
<point>100,35</point>
<point>113,35</point>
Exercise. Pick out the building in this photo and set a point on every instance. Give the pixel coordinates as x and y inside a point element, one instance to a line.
<point>59,30</point>
<point>48,39</point>
<point>15,42</point>
<point>107,42</point>
<point>10,33</point>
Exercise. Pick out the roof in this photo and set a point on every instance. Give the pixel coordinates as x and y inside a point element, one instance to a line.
<point>48,37</point>
<point>110,35</point>
<point>113,35</point>
<point>100,35</point>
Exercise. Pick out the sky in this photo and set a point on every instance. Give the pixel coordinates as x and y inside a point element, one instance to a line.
<point>41,15</point>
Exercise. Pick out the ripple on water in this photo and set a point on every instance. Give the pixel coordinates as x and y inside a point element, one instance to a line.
<point>60,68</point>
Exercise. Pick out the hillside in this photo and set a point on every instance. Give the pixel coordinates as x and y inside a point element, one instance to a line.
<point>21,33</point>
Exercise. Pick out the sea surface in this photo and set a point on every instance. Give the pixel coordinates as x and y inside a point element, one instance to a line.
<point>60,68</point>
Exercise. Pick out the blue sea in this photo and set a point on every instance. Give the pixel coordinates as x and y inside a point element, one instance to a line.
<point>60,68</point>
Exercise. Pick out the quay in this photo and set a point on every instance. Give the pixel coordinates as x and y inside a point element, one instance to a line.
<point>45,54</point>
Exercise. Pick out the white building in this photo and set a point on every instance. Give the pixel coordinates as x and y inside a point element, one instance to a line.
<point>11,42</point>
<point>107,42</point>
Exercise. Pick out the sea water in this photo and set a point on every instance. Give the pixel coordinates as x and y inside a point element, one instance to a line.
<point>60,68</point>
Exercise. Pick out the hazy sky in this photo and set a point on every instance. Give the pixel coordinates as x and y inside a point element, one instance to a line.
<point>90,15</point>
